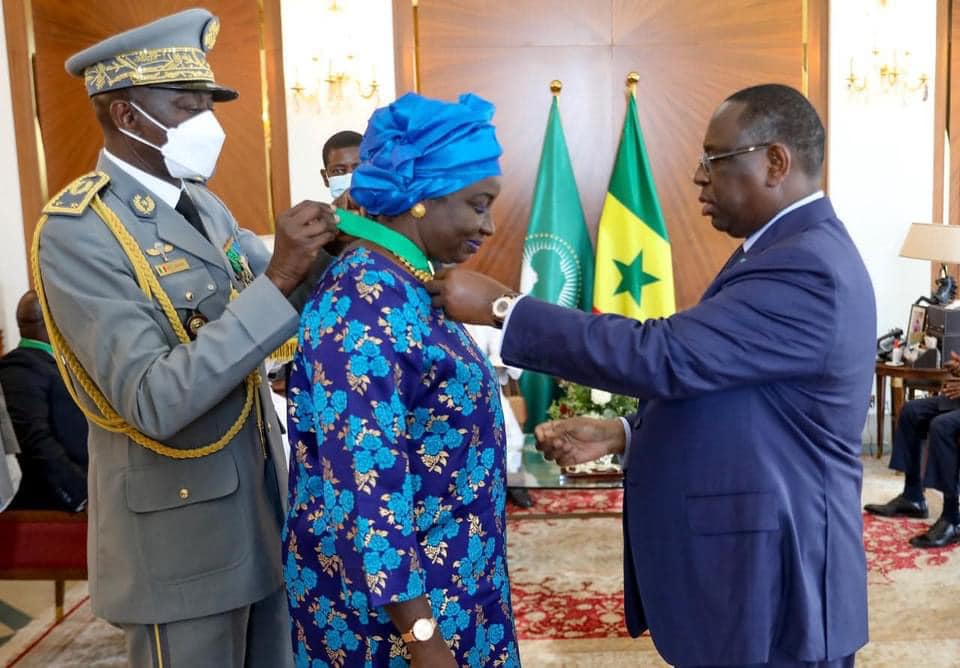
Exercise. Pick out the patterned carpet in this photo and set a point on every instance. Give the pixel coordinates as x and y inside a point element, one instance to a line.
<point>562,503</point>
<point>565,564</point>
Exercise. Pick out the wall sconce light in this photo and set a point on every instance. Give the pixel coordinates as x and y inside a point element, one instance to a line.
<point>337,81</point>
<point>890,73</point>
<point>337,87</point>
<point>345,80</point>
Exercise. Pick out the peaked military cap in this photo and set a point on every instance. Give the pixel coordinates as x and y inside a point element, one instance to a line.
<point>167,53</point>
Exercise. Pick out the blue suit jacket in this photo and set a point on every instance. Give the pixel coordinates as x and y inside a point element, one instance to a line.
<point>742,525</point>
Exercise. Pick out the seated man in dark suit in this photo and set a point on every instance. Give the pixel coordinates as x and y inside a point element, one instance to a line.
<point>51,430</point>
<point>936,419</point>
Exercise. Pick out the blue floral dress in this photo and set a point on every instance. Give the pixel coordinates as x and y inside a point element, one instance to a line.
<point>397,483</point>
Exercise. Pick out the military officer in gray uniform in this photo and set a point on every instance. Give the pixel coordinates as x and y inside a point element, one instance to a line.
<point>161,310</point>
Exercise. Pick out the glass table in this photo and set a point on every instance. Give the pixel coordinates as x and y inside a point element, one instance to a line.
<point>537,473</point>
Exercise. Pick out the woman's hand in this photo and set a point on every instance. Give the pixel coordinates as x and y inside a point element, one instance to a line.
<point>423,653</point>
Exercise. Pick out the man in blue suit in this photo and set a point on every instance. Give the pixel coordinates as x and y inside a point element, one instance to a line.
<point>742,526</point>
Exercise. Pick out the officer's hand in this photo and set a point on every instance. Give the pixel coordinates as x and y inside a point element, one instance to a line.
<point>465,295</point>
<point>346,202</point>
<point>579,440</point>
<point>301,233</point>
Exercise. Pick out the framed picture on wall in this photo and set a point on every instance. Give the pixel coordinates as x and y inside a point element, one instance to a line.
<point>915,325</point>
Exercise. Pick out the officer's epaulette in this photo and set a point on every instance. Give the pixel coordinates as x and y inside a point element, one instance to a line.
<point>74,199</point>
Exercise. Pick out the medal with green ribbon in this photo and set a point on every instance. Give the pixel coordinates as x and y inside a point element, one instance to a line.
<point>407,252</point>
<point>238,262</point>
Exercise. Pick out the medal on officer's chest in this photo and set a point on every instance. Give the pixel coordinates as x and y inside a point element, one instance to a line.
<point>238,262</point>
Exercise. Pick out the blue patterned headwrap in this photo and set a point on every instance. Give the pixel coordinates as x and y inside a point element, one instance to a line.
<point>419,149</point>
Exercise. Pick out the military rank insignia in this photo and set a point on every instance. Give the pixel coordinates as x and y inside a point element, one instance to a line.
<point>238,261</point>
<point>144,205</point>
<point>74,199</point>
<point>210,32</point>
<point>172,267</point>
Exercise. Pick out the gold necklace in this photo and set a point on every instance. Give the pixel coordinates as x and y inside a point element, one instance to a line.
<point>398,245</point>
<point>419,274</point>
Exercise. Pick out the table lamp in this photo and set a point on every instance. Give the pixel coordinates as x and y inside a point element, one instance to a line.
<point>937,243</point>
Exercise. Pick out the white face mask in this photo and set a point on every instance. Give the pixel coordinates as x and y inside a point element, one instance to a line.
<point>192,147</point>
<point>339,184</point>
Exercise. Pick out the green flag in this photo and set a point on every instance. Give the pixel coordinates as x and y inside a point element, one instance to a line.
<point>557,255</point>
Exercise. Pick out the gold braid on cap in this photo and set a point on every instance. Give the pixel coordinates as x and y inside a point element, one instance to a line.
<point>148,67</point>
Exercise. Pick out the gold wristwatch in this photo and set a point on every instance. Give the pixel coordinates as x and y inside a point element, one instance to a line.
<point>421,631</point>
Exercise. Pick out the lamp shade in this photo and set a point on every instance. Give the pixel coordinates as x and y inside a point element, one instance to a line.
<point>932,241</point>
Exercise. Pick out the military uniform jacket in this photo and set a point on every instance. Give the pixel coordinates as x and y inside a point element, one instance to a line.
<point>171,539</point>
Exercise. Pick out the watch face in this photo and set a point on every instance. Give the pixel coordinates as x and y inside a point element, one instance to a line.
<point>501,306</point>
<point>423,629</point>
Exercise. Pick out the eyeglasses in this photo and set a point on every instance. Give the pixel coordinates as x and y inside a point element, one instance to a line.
<point>706,159</point>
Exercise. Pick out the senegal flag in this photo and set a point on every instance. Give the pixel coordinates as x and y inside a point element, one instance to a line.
<point>634,271</point>
<point>557,254</point>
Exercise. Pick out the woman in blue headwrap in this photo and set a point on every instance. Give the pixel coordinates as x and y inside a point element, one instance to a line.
<point>395,540</point>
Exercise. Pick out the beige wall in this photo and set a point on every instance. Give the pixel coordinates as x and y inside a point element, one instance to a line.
<point>13,258</point>
<point>362,27</point>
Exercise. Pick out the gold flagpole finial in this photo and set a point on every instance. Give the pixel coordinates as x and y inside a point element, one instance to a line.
<point>555,87</point>
<point>632,79</point>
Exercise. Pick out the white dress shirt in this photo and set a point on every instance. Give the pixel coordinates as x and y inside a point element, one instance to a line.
<point>169,193</point>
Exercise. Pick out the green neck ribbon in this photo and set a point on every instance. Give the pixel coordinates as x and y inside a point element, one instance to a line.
<point>393,241</point>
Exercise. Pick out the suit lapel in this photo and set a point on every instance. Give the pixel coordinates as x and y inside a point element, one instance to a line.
<point>174,228</point>
<point>170,225</point>
<point>216,240</point>
<point>735,258</point>
<point>793,223</point>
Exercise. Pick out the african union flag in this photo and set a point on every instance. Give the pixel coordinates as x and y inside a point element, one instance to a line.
<point>557,254</point>
<point>634,269</point>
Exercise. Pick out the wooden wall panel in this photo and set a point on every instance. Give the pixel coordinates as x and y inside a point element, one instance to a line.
<point>33,193</point>
<point>403,46</point>
<point>523,98</point>
<point>689,54</point>
<point>466,24</point>
<point>953,118</point>
<point>687,68</point>
<point>818,63</point>
<point>72,138</point>
<point>275,131</point>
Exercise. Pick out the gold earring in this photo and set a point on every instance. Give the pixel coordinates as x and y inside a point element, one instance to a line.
<point>418,210</point>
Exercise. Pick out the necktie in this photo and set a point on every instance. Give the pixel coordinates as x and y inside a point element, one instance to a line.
<point>735,258</point>
<point>186,208</point>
